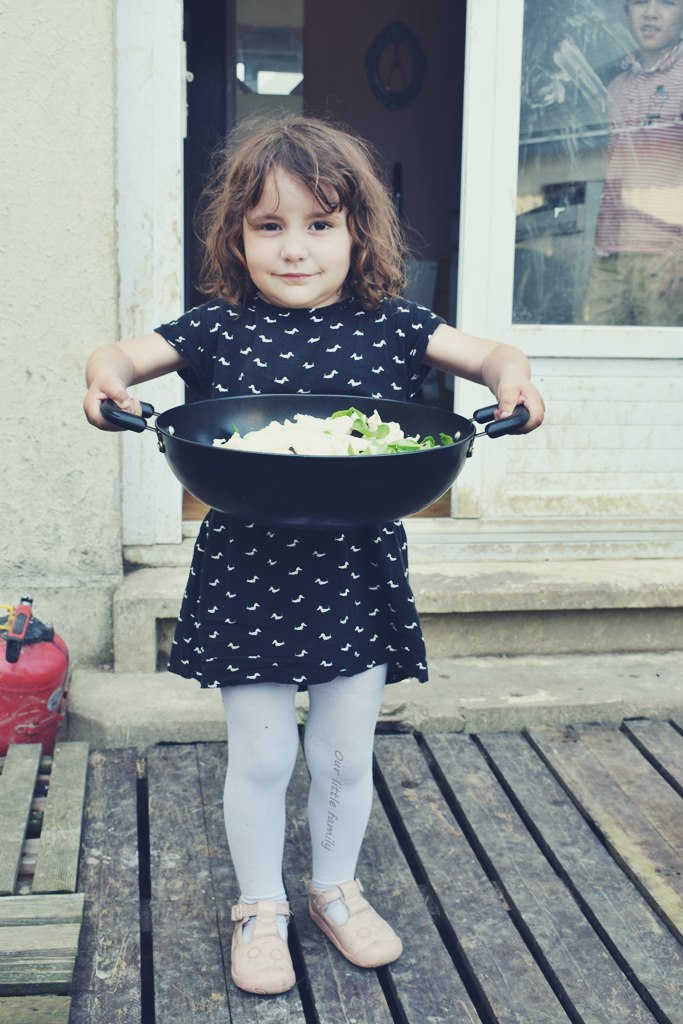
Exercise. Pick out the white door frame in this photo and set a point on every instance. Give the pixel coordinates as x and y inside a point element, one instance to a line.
<point>151,116</point>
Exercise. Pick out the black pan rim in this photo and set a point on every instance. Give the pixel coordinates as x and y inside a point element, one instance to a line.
<point>342,459</point>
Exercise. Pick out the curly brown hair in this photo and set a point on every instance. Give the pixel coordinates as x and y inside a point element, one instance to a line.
<point>341,171</point>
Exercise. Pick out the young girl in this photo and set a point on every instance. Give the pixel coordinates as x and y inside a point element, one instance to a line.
<point>304,265</point>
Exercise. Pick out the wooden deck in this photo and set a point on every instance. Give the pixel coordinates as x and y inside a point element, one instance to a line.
<point>535,878</point>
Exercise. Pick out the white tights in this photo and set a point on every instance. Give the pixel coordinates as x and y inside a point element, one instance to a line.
<point>263,741</point>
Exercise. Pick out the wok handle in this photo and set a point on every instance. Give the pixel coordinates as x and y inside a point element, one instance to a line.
<point>499,428</point>
<point>126,420</point>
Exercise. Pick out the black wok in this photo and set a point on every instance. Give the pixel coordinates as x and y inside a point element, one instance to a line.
<point>310,490</point>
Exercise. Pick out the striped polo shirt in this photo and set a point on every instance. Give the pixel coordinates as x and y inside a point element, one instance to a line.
<point>642,202</point>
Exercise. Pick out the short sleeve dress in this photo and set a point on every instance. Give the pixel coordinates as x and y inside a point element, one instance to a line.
<point>287,605</point>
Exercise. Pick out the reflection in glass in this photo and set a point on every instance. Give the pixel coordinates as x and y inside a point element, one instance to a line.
<point>600,183</point>
<point>269,62</point>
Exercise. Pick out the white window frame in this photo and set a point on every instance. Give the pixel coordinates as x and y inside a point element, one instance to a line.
<point>489,193</point>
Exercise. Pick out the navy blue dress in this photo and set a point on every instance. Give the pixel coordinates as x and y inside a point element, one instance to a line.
<point>286,605</point>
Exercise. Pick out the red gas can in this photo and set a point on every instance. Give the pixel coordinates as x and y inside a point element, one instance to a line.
<point>34,666</point>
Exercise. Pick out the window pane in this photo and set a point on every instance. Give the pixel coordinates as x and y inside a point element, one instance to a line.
<point>269,66</point>
<point>600,187</point>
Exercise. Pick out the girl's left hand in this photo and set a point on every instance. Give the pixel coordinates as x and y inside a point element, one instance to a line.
<point>520,391</point>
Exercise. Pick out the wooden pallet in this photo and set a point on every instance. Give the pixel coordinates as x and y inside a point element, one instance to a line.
<point>41,806</point>
<point>536,878</point>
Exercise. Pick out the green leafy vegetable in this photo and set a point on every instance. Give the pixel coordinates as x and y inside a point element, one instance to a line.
<point>375,435</point>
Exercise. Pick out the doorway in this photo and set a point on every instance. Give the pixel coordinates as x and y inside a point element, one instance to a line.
<point>390,72</point>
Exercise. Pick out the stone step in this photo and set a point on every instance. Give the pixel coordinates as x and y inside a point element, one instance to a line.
<point>491,694</point>
<point>469,609</point>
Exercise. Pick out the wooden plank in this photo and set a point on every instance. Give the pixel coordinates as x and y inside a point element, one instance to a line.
<point>17,785</point>
<point>585,973</point>
<point>245,1008</point>
<point>38,943</point>
<point>510,982</point>
<point>648,953</point>
<point>34,1009</point>
<point>60,838</point>
<point>106,986</point>
<point>189,983</point>
<point>23,911</point>
<point>38,958</point>
<point>425,980</point>
<point>659,802</point>
<point>339,989</point>
<point>663,745</point>
<point>653,864</point>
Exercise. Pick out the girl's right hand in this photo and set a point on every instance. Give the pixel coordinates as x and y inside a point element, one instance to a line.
<point>108,386</point>
<point>112,368</point>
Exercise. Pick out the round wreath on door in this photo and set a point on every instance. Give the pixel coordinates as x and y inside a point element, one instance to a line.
<point>396,66</point>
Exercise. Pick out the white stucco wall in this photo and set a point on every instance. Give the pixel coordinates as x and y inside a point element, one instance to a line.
<point>59,483</point>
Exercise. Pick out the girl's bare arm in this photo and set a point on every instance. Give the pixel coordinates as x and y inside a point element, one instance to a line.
<point>504,369</point>
<point>112,368</point>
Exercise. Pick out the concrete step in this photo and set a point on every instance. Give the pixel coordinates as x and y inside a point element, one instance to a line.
<point>492,694</point>
<point>469,609</point>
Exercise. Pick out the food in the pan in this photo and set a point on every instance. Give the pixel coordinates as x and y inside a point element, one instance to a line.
<point>346,432</point>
